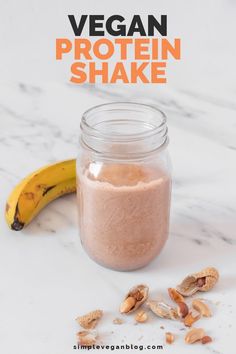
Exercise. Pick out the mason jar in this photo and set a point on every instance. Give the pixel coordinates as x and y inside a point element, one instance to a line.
<point>124,184</point>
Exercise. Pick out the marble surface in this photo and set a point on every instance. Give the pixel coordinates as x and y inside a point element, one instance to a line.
<point>47,280</point>
<point>46,277</point>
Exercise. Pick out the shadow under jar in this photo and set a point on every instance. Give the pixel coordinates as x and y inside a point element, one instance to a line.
<point>124,184</point>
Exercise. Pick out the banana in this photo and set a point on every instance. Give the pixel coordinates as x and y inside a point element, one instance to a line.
<point>38,189</point>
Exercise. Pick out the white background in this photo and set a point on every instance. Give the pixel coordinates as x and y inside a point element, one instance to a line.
<point>207,30</point>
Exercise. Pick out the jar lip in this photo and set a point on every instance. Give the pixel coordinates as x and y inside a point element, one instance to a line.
<point>93,131</point>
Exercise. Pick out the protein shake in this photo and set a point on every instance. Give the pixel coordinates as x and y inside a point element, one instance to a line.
<point>124,213</point>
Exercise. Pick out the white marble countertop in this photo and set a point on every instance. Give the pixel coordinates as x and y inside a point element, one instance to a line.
<point>46,277</point>
<point>47,280</point>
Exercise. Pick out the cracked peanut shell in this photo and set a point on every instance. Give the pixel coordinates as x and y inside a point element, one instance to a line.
<point>90,320</point>
<point>201,281</point>
<point>134,299</point>
<point>87,338</point>
<point>161,309</point>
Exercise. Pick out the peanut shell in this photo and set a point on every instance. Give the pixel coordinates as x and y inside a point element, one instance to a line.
<point>201,281</point>
<point>162,309</point>
<point>134,299</point>
<point>90,320</point>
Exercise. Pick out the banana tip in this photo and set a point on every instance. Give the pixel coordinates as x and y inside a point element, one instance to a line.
<point>17,225</point>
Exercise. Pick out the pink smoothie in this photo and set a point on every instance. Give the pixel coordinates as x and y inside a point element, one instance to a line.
<point>124,214</point>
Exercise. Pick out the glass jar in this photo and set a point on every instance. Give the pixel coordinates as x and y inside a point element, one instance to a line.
<point>124,184</point>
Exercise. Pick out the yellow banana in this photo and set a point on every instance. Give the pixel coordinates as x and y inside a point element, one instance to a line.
<point>37,190</point>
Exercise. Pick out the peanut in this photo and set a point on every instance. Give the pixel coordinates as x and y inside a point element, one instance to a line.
<point>201,282</point>
<point>170,337</point>
<point>175,295</point>
<point>202,308</point>
<point>194,335</point>
<point>191,318</point>
<point>206,339</point>
<point>127,304</point>
<point>141,317</point>
<point>182,309</point>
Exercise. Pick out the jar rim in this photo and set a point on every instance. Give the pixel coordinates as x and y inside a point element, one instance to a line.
<point>93,131</point>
